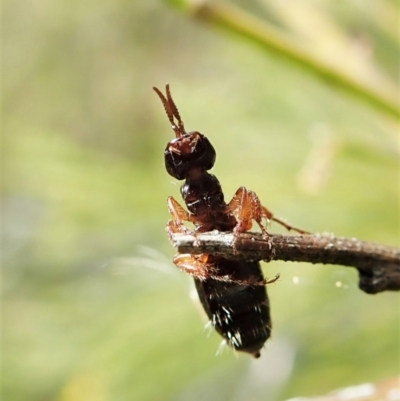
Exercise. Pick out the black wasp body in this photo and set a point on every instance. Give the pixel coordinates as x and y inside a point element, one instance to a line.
<point>232,292</point>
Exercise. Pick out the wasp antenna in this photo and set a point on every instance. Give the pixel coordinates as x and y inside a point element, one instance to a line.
<point>175,111</point>
<point>172,111</point>
<point>166,105</point>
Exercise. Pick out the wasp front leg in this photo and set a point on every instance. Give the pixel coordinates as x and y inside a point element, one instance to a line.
<point>179,215</point>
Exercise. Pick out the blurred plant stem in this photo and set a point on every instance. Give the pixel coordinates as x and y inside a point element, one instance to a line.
<point>234,19</point>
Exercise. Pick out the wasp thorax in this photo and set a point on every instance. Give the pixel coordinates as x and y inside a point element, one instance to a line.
<point>190,151</point>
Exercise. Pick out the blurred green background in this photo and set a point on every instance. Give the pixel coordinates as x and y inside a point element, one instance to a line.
<point>93,308</point>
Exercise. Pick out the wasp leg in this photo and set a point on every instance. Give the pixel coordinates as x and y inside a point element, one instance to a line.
<point>246,207</point>
<point>201,269</point>
<point>195,265</point>
<point>179,215</point>
<point>272,280</point>
<point>269,216</point>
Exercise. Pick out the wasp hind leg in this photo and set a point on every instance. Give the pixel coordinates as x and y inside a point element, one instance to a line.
<point>195,265</point>
<point>199,267</point>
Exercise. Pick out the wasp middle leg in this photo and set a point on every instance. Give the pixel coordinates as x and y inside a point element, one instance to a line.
<point>246,207</point>
<point>269,216</point>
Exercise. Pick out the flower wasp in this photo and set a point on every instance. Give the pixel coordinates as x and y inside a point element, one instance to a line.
<point>232,292</point>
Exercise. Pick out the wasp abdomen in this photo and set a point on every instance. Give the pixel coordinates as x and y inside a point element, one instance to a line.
<point>239,313</point>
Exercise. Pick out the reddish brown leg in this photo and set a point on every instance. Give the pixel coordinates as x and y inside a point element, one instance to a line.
<point>179,215</point>
<point>268,215</point>
<point>272,280</point>
<point>195,265</point>
<point>200,268</point>
<point>245,206</point>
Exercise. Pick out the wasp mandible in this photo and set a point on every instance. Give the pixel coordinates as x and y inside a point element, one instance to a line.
<point>232,292</point>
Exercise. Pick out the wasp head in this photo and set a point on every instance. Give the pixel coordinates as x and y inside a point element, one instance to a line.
<point>189,152</point>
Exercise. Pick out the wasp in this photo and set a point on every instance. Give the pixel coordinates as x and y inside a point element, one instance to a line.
<point>232,292</point>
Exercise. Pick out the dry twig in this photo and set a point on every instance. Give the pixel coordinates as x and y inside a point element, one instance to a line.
<point>378,265</point>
